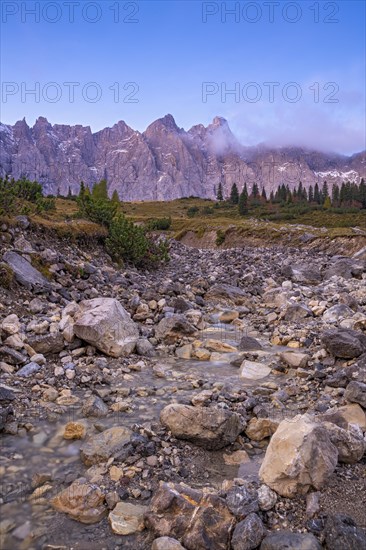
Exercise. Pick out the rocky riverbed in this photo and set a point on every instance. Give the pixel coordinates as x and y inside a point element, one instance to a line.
<point>217,403</point>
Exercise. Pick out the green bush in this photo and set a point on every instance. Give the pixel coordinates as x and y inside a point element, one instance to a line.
<point>96,210</point>
<point>220,237</point>
<point>207,211</point>
<point>159,224</point>
<point>192,211</point>
<point>128,242</point>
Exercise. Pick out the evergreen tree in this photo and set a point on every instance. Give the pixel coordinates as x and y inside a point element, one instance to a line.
<point>271,197</point>
<point>219,195</point>
<point>311,194</point>
<point>255,191</point>
<point>99,190</point>
<point>335,195</point>
<point>327,203</point>
<point>316,193</point>
<point>243,201</point>
<point>234,194</point>
<point>115,197</point>
<point>264,194</point>
<point>325,191</point>
<point>362,193</point>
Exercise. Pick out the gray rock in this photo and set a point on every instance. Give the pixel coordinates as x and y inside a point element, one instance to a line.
<point>145,348</point>
<point>112,442</point>
<point>227,294</point>
<point>166,543</point>
<point>25,273</point>
<point>336,312</point>
<point>287,540</point>
<point>94,406</point>
<point>210,428</point>
<point>49,343</point>
<point>248,533</point>
<point>242,501</point>
<point>342,533</point>
<point>248,343</point>
<point>29,369</point>
<point>297,312</point>
<point>356,393</point>
<point>170,329</point>
<point>11,356</point>
<point>344,343</point>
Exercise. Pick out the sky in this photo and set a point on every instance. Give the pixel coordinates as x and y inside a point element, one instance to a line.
<point>280,72</point>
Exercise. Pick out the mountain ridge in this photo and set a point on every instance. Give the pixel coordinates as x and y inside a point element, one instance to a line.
<point>164,162</point>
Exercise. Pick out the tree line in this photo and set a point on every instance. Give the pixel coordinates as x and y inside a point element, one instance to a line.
<point>344,196</point>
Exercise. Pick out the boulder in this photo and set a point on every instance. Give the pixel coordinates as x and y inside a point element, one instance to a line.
<point>334,313</point>
<point>82,501</point>
<point>210,428</point>
<point>266,498</point>
<point>105,324</point>
<point>248,533</point>
<point>126,518</point>
<point>300,455</point>
<point>112,442</point>
<point>356,393</point>
<point>248,343</point>
<point>260,428</point>
<point>344,343</point>
<point>295,359</point>
<point>297,312</point>
<point>303,273</point>
<point>350,443</point>
<point>173,328</point>
<point>253,370</point>
<point>166,543</point>
<point>49,343</point>
<point>242,500</point>
<point>287,540</point>
<point>200,521</point>
<point>226,294</point>
<point>25,273</point>
<point>342,533</point>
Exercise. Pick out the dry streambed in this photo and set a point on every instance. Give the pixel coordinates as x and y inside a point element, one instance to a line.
<point>217,403</point>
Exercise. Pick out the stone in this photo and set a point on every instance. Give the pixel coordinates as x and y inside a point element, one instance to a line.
<point>11,356</point>
<point>350,443</point>
<point>342,533</point>
<point>266,498</point>
<point>126,518</point>
<point>166,543</point>
<point>287,540</point>
<point>260,428</point>
<point>199,520</point>
<point>25,273</point>
<point>226,294</point>
<point>301,273</point>
<point>112,442</point>
<point>145,348</point>
<point>74,430</point>
<point>184,352</point>
<point>228,315</point>
<point>236,458</point>
<point>300,456</point>
<point>248,533</point>
<point>353,414</point>
<point>105,324</point>
<point>253,370</point>
<point>242,500</point>
<point>334,313</point>
<point>217,345</point>
<point>297,312</point>
<point>248,343</point>
<point>95,407</point>
<point>11,324</point>
<point>356,393</point>
<point>82,501</point>
<point>29,369</point>
<point>210,428</point>
<point>344,343</point>
<point>47,343</point>
<point>173,328</point>
<point>295,359</point>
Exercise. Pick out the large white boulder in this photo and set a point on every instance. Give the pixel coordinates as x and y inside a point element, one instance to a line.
<point>103,323</point>
<point>299,456</point>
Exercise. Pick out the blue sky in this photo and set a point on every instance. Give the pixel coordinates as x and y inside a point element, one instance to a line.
<point>137,61</point>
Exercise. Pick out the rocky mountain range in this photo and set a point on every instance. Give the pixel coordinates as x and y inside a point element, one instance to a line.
<point>164,162</point>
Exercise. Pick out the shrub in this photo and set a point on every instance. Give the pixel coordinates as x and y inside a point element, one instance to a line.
<point>128,242</point>
<point>96,210</point>
<point>192,211</point>
<point>6,276</point>
<point>220,237</point>
<point>207,211</point>
<point>159,224</point>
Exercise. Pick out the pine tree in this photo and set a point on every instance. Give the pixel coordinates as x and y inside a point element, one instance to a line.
<point>243,201</point>
<point>362,193</point>
<point>234,194</point>
<point>335,195</point>
<point>264,194</point>
<point>311,194</point>
<point>316,193</point>
<point>255,191</point>
<point>325,191</point>
<point>99,190</point>
<point>327,203</point>
<point>219,195</point>
<point>115,197</point>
